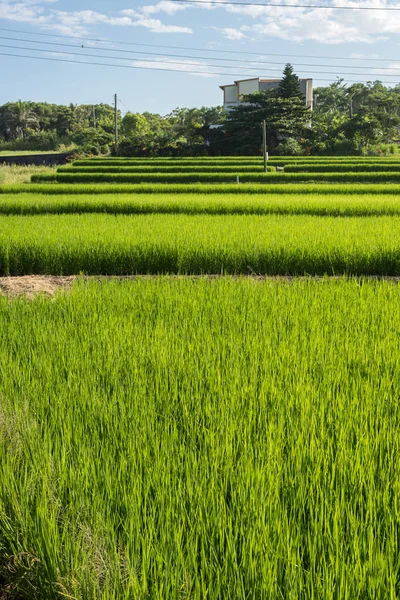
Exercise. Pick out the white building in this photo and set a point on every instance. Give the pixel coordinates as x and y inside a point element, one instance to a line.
<point>235,90</point>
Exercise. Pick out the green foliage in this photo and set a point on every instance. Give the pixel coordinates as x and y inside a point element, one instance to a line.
<point>338,167</point>
<point>290,147</point>
<point>195,168</point>
<point>215,178</point>
<point>92,140</point>
<point>273,244</point>
<point>134,469</point>
<point>35,141</point>
<point>319,204</point>
<point>289,86</point>
<point>49,189</point>
<point>285,117</point>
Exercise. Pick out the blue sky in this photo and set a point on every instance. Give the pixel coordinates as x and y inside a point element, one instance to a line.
<point>292,33</point>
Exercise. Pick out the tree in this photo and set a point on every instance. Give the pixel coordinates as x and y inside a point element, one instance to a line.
<point>20,117</point>
<point>285,117</point>
<point>135,126</point>
<point>289,86</point>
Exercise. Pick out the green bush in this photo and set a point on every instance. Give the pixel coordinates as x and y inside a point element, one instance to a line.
<point>289,147</point>
<point>42,142</point>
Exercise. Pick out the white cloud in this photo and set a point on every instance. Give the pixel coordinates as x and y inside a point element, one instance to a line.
<point>156,26</point>
<point>232,34</point>
<point>77,22</point>
<point>23,12</point>
<point>394,69</point>
<point>166,6</point>
<point>328,26</point>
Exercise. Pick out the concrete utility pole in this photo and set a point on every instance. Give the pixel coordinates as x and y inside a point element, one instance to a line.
<point>116,124</point>
<point>94,116</point>
<point>265,153</point>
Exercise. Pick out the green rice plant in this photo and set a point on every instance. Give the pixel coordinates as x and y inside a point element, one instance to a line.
<point>201,188</point>
<point>350,177</point>
<point>311,204</point>
<point>164,163</point>
<point>164,243</point>
<point>355,167</point>
<point>209,438</point>
<point>211,159</point>
<point>167,169</point>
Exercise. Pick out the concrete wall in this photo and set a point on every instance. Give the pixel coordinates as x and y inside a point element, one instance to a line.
<point>35,159</point>
<point>230,94</point>
<point>247,87</point>
<point>269,85</point>
<point>233,92</point>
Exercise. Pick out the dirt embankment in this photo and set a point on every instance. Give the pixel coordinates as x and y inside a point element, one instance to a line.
<point>31,285</point>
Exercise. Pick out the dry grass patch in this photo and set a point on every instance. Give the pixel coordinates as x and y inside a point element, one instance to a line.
<point>14,174</point>
<point>31,286</point>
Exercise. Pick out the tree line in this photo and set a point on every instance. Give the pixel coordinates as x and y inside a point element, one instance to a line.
<point>346,119</point>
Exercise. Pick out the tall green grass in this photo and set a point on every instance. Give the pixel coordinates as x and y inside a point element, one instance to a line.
<point>201,439</point>
<point>232,159</point>
<point>355,167</point>
<point>141,162</point>
<point>239,168</point>
<point>273,244</point>
<point>349,177</point>
<point>199,188</point>
<point>190,203</point>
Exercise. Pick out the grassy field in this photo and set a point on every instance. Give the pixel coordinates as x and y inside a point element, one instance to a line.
<point>165,169</point>
<point>13,174</point>
<point>27,152</point>
<point>91,189</point>
<point>319,204</point>
<point>260,462</point>
<point>273,245</point>
<point>217,177</point>
<point>201,431</point>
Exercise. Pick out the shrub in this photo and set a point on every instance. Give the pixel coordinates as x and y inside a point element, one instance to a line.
<point>289,147</point>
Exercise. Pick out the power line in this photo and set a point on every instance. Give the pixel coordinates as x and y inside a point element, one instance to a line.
<point>80,62</point>
<point>99,64</point>
<point>317,6</point>
<point>64,52</point>
<point>124,105</point>
<point>215,50</point>
<point>146,53</point>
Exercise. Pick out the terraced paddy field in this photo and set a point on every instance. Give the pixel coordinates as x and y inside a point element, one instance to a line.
<point>357,201</point>
<point>181,424</point>
<point>348,176</point>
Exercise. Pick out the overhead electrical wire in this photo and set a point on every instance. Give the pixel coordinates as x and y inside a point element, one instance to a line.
<point>191,48</point>
<point>114,65</point>
<point>270,5</point>
<point>235,60</point>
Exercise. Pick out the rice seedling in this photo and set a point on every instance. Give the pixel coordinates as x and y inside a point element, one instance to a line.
<point>195,244</point>
<point>202,203</point>
<point>201,439</point>
<point>355,167</point>
<point>167,169</point>
<point>199,188</point>
<point>267,178</point>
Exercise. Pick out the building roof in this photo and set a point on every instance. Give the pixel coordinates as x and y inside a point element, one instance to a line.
<point>260,79</point>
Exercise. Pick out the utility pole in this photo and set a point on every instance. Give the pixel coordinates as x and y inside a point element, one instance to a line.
<point>116,124</point>
<point>265,153</point>
<point>94,116</point>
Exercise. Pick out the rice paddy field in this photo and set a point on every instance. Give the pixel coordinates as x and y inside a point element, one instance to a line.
<point>208,406</point>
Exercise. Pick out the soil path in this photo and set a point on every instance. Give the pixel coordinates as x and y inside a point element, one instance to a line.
<point>32,285</point>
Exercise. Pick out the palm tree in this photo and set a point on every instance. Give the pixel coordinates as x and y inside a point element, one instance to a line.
<point>20,117</point>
